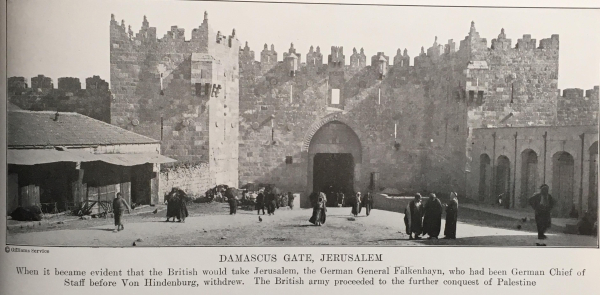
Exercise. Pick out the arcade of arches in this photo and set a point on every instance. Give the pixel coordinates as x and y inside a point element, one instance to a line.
<point>569,166</point>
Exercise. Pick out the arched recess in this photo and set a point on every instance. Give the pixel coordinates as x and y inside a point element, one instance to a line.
<point>563,180</point>
<point>334,160</point>
<point>593,180</point>
<point>502,181</point>
<point>529,175</point>
<point>485,175</point>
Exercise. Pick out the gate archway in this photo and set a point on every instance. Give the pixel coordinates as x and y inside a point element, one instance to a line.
<point>334,160</point>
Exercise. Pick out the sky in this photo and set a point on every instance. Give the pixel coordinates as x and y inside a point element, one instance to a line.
<point>70,38</point>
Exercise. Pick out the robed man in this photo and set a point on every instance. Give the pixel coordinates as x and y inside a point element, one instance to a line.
<point>451,217</point>
<point>271,202</point>
<point>368,203</point>
<point>260,203</point>
<point>542,203</point>
<point>413,217</point>
<point>356,204</point>
<point>432,220</point>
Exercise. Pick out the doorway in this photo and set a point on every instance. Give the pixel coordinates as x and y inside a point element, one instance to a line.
<point>333,172</point>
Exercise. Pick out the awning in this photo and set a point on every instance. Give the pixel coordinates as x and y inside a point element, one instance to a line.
<point>44,156</point>
<point>134,159</point>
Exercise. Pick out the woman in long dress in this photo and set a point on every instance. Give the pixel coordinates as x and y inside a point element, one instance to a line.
<point>451,217</point>
<point>356,205</point>
<point>319,210</point>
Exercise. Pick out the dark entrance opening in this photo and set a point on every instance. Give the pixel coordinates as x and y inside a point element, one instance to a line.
<point>333,172</point>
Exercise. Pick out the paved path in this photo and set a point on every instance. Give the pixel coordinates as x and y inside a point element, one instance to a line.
<point>518,214</point>
<point>286,228</point>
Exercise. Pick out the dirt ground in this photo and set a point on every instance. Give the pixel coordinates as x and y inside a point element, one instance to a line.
<point>211,224</point>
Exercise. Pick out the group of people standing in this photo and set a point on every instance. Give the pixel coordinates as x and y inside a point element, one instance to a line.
<point>318,201</point>
<point>360,202</point>
<point>426,219</point>
<point>272,201</point>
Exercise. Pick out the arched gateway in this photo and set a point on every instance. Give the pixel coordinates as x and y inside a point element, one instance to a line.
<point>334,160</point>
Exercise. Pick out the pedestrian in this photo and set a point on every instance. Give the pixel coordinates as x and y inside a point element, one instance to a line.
<point>260,202</point>
<point>119,205</point>
<point>291,200</point>
<point>368,203</point>
<point>176,205</point>
<point>232,200</point>
<point>542,203</point>
<point>341,199</point>
<point>284,200</point>
<point>319,210</point>
<point>451,217</point>
<point>432,220</point>
<point>413,218</point>
<point>356,204</point>
<point>271,203</point>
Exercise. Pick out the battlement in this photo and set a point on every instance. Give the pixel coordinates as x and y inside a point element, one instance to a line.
<point>65,84</point>
<point>337,57</point>
<point>123,36</point>
<point>577,93</point>
<point>69,84</point>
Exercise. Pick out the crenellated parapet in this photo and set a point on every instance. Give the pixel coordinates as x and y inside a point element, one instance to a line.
<point>337,57</point>
<point>42,82</point>
<point>246,55</point>
<point>380,63</point>
<point>69,84</point>
<point>576,108</point>
<point>314,58</point>
<point>501,43</point>
<point>292,60</point>
<point>203,38</point>
<point>268,57</point>
<point>358,60</point>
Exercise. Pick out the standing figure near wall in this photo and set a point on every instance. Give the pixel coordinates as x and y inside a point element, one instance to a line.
<point>291,200</point>
<point>368,203</point>
<point>271,202</point>
<point>176,205</point>
<point>119,206</point>
<point>451,217</point>
<point>232,200</point>
<point>542,203</point>
<point>319,210</point>
<point>356,204</point>
<point>340,199</point>
<point>432,221</point>
<point>260,202</point>
<point>413,218</point>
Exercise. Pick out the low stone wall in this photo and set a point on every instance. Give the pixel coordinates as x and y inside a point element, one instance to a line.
<point>394,204</point>
<point>194,180</point>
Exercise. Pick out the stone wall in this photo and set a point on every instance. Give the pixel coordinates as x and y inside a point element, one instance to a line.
<point>94,102</point>
<point>182,92</point>
<point>410,128</point>
<point>193,179</point>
